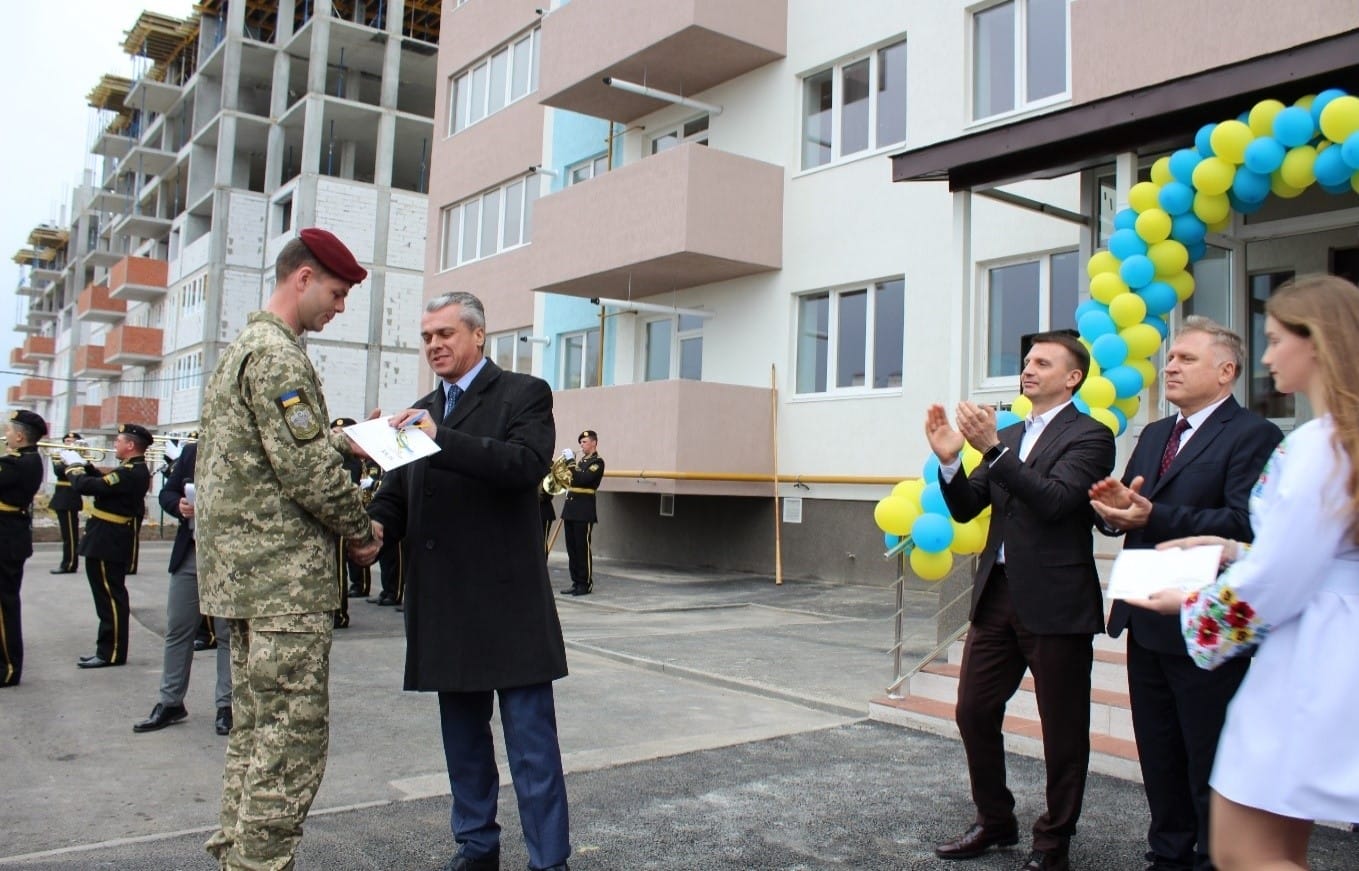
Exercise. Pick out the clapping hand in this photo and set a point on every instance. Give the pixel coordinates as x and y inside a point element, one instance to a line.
<point>1121,507</point>
<point>945,441</point>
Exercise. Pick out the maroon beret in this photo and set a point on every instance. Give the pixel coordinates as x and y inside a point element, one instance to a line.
<point>331,253</point>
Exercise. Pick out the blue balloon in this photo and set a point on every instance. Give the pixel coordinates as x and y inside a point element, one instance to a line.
<point>1126,219</point>
<point>1203,140</point>
<point>1090,305</point>
<point>1121,418</point>
<point>1264,155</point>
<point>1159,297</point>
<point>930,471</point>
<point>1250,186</point>
<point>932,532</point>
<point>1176,197</point>
<point>1081,405</point>
<point>1294,126</point>
<point>1245,207</point>
<point>890,541</point>
<point>1159,323</point>
<point>1127,381</point>
<point>1349,150</point>
<point>1342,188</point>
<point>1187,228</point>
<point>1330,167</point>
<point>1182,165</point>
<point>932,500</point>
<point>1321,100</point>
<point>1109,351</point>
<point>1092,325</point>
<point>1125,243</point>
<point>1137,271</point>
<point>1198,250</point>
<point>1007,418</point>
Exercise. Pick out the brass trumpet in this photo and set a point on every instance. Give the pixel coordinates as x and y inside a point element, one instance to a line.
<point>88,452</point>
<point>558,479</point>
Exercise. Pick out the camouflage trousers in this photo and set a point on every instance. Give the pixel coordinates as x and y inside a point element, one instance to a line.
<point>276,755</point>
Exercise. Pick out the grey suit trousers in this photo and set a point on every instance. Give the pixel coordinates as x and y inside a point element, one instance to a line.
<point>181,624</point>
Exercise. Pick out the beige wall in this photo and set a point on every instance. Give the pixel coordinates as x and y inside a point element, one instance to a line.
<point>1122,45</point>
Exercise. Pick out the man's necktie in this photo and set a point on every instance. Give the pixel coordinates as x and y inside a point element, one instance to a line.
<point>1173,445</point>
<point>454,394</point>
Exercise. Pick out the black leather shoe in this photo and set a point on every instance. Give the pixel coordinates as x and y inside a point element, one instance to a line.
<point>12,682</point>
<point>978,840</point>
<point>95,662</point>
<point>161,716</point>
<point>356,593</point>
<point>223,721</point>
<point>385,600</point>
<point>62,572</point>
<point>582,591</point>
<point>200,644</point>
<point>569,591</point>
<point>463,863</point>
<point>341,620</point>
<point>1053,860</point>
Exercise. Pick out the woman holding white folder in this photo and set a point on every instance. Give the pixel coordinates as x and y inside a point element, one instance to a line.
<point>1287,755</point>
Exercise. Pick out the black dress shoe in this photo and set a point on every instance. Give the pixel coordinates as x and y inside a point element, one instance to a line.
<point>12,682</point>
<point>356,593</point>
<point>62,572</point>
<point>569,591</point>
<point>201,644</point>
<point>463,863</point>
<point>582,591</point>
<point>386,600</point>
<point>161,716</point>
<point>1053,860</point>
<point>94,662</point>
<point>223,721</point>
<point>978,840</point>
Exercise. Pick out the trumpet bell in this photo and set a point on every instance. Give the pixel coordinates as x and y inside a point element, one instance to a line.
<point>558,479</point>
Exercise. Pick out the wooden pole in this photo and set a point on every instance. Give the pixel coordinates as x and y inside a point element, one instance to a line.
<point>774,439</point>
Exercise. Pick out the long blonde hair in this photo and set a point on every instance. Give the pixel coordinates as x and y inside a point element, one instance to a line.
<point>1325,309</point>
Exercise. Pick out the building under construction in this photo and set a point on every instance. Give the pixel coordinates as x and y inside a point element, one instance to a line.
<point>242,123</point>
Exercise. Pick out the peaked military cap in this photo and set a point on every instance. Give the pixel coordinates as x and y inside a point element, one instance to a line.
<point>331,253</point>
<point>73,435</point>
<point>138,432</point>
<point>342,421</point>
<point>29,419</point>
<point>587,434</point>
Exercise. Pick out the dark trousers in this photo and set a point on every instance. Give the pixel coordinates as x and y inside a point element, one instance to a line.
<point>529,719</point>
<point>578,553</point>
<point>342,583</point>
<point>392,561</point>
<point>108,585</point>
<point>360,578</point>
<point>136,546</point>
<point>1178,710</point>
<point>11,630</point>
<point>997,651</point>
<point>69,522</point>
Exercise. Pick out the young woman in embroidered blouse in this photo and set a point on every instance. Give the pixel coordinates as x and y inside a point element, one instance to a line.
<point>1288,753</point>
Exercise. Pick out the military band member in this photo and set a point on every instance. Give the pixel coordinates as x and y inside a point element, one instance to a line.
<point>578,514</point>
<point>109,541</point>
<point>66,503</point>
<point>351,578</point>
<point>20,478</point>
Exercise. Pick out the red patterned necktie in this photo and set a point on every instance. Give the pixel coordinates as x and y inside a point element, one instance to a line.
<point>1173,445</point>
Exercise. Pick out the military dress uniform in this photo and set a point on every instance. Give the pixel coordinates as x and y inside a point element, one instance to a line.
<point>109,542</point>
<point>67,504</point>
<point>579,518</point>
<point>20,478</point>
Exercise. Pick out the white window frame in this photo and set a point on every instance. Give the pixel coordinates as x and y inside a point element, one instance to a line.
<point>585,361</point>
<point>584,170</point>
<point>983,303</point>
<point>677,339</point>
<point>872,55</point>
<point>833,338</point>
<point>1022,106</point>
<point>453,222</point>
<point>518,342</point>
<point>472,115</point>
<point>677,131</point>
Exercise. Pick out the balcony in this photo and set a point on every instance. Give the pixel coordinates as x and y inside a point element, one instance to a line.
<point>133,346</point>
<point>35,389</point>
<point>149,95</point>
<point>95,304</point>
<point>17,360</point>
<point>681,46</point>
<point>40,348</point>
<point>28,287</point>
<point>89,360</point>
<point>110,144</point>
<point>139,279</point>
<point>127,409</point>
<point>47,270</point>
<point>12,395</point>
<point>141,226</point>
<point>670,427</point>
<point>86,417</point>
<point>689,216</point>
<point>148,160</point>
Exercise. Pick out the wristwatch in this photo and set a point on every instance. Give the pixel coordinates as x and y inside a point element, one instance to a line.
<point>993,453</point>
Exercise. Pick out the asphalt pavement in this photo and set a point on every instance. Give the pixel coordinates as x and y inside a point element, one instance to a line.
<point>710,721</point>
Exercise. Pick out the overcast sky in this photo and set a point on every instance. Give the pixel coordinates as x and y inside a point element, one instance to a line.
<point>52,55</point>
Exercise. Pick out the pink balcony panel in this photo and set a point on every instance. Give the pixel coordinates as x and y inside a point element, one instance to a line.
<point>35,388</point>
<point>40,347</point>
<point>89,360</point>
<point>86,417</point>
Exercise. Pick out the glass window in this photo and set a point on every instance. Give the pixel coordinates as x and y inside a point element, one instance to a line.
<point>1065,291</point>
<point>502,351</point>
<point>499,81</point>
<point>490,222</point>
<point>993,63</point>
<point>514,210</point>
<point>449,218</point>
<point>861,329</point>
<point>478,95</point>
<point>674,348</point>
<point>1012,312</point>
<point>841,113</point>
<point>1045,49</point>
<point>889,319</point>
<point>507,74</point>
<point>519,83</point>
<point>580,360</point>
<point>854,115</point>
<point>1261,396</point>
<point>694,130</point>
<point>470,215</point>
<point>487,224</point>
<point>851,337</point>
<point>813,342</point>
<point>1019,55</point>
<point>589,168</point>
<point>658,350</point>
<point>510,351</point>
<point>818,100</point>
<point>892,93</point>
<point>459,103</point>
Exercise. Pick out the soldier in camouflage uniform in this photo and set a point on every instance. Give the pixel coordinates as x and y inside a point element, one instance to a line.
<point>272,499</point>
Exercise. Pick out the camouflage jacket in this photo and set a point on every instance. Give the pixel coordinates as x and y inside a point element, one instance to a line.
<point>272,494</point>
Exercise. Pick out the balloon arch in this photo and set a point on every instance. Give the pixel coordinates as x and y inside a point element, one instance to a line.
<point>1234,166</point>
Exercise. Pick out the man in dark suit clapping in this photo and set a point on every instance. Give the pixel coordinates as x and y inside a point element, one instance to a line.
<point>1190,474</point>
<point>1036,600</point>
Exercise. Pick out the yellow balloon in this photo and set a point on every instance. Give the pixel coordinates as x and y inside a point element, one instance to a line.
<point>1160,171</point>
<point>1212,176</point>
<point>1262,117</point>
<point>1296,170</point>
<point>1093,370</point>
<point>1143,339</point>
<point>1220,226</point>
<point>1022,405</point>
<point>1211,208</point>
<point>1354,181</point>
<point>1183,282</point>
<point>971,458</point>
<point>1305,102</point>
<point>1153,225</point>
<point>1145,367</point>
<point>1106,417</point>
<point>1169,257</point>
<point>1144,195</point>
<point>1106,286</point>
<point>1102,261</point>
<point>910,490</point>
<point>967,537</point>
<point>1230,139</point>
<point>1129,406</point>
<point>895,515</point>
<point>931,565</point>
<point>1281,188</point>
<point>1340,118</point>
<point>1098,392</point>
<point>1127,309</point>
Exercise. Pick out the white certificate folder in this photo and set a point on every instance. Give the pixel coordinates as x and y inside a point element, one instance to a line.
<point>389,446</point>
<point>1139,572</point>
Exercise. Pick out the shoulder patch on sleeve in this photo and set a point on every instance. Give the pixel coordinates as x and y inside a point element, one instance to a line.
<point>298,415</point>
<point>593,467</point>
<point>111,478</point>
